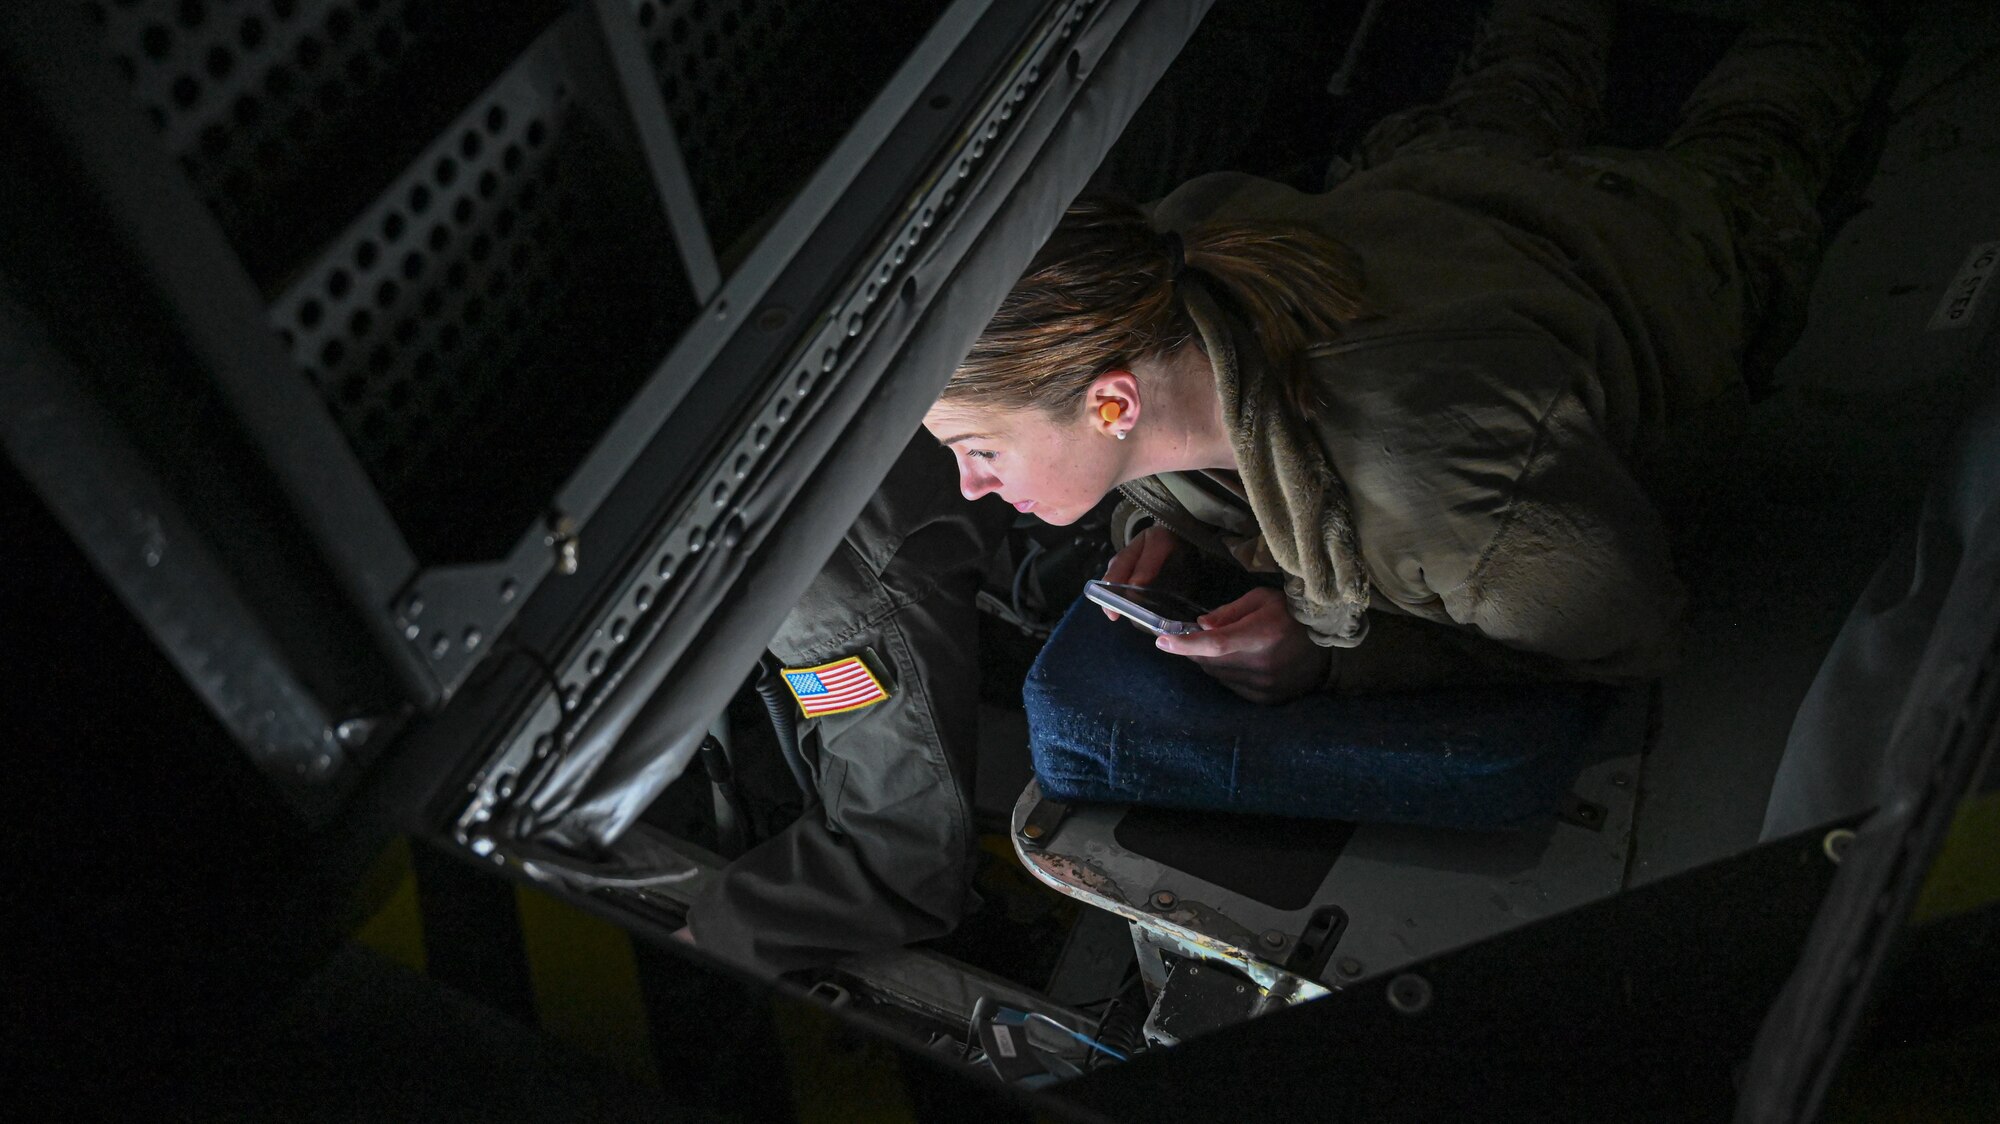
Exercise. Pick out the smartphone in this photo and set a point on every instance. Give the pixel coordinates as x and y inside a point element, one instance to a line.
<point>1157,611</point>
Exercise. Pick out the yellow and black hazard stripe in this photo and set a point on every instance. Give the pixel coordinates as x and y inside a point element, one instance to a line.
<point>712,1042</point>
<point>532,957</point>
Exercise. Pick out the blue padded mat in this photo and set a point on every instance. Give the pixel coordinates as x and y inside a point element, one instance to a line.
<point>1111,719</point>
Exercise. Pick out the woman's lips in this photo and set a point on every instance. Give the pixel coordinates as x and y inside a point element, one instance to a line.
<point>1025,506</point>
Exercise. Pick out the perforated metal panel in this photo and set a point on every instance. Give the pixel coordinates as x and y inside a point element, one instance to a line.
<point>760,91</point>
<point>474,281</point>
<point>477,326</point>
<point>277,108</point>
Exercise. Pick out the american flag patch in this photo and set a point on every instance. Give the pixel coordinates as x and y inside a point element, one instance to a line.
<point>832,688</point>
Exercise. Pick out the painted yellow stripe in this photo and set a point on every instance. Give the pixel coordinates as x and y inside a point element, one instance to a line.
<point>586,982</point>
<point>839,1076</point>
<point>395,928</point>
<point>1966,874</point>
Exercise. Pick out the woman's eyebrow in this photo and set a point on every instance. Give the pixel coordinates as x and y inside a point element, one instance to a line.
<point>963,437</point>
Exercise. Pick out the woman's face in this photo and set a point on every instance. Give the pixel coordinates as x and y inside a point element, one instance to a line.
<point>1054,467</point>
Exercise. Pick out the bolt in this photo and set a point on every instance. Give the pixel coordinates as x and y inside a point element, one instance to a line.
<point>440,646</point>
<point>1239,989</point>
<point>1409,993</point>
<point>1348,966</point>
<point>1033,831</point>
<point>1273,939</point>
<point>414,607</point>
<point>509,590</point>
<point>1836,844</point>
<point>1164,899</point>
<point>411,632</point>
<point>562,537</point>
<point>354,731</point>
<point>472,638</point>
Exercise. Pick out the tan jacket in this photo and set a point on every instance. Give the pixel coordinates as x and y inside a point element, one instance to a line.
<point>1468,466</point>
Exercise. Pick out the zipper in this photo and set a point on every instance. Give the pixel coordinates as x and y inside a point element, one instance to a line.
<point>1173,517</point>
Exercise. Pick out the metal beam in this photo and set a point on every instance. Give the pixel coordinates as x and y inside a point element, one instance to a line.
<point>619,36</point>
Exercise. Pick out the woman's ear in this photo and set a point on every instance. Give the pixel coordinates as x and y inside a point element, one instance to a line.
<point>1112,403</point>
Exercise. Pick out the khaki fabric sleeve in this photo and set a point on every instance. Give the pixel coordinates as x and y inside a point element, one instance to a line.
<point>1573,581</point>
<point>1504,537</point>
<point>1579,567</point>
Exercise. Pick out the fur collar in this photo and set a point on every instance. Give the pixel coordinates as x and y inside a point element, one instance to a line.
<point>1300,502</point>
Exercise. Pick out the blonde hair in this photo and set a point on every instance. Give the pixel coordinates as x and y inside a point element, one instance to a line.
<point>1103,292</point>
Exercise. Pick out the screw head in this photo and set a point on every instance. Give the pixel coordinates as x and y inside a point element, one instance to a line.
<point>509,590</point>
<point>1164,899</point>
<point>1033,831</point>
<point>440,646</point>
<point>1836,844</point>
<point>1273,939</point>
<point>1348,966</point>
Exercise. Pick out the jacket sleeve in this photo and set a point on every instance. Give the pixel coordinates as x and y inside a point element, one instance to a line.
<point>1579,568</point>
<point>1560,568</point>
<point>884,860</point>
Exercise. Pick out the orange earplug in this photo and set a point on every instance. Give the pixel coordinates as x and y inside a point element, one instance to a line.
<point>1110,411</point>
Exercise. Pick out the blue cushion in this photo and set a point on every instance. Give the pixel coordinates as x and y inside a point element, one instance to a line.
<point>1113,719</point>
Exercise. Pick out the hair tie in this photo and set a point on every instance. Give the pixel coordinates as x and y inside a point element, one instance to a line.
<point>1176,254</point>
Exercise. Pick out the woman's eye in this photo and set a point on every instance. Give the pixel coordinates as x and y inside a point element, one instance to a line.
<point>980,454</point>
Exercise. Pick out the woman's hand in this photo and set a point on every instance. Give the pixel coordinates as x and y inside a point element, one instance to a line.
<point>1253,647</point>
<point>1142,559</point>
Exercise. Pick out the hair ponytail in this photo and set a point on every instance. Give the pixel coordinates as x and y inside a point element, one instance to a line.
<point>1295,286</point>
<point>1106,290</point>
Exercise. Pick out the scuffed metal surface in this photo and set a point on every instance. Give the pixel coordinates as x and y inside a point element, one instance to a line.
<point>1068,873</point>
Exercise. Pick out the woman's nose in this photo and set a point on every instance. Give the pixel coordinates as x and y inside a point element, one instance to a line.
<point>973,482</point>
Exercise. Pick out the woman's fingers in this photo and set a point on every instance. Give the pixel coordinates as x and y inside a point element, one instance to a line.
<point>1253,631</point>
<point>1225,615</point>
<point>1141,560</point>
<point>1156,546</point>
<point>1255,649</point>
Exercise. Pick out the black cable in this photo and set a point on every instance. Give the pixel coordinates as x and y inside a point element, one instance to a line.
<point>785,726</point>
